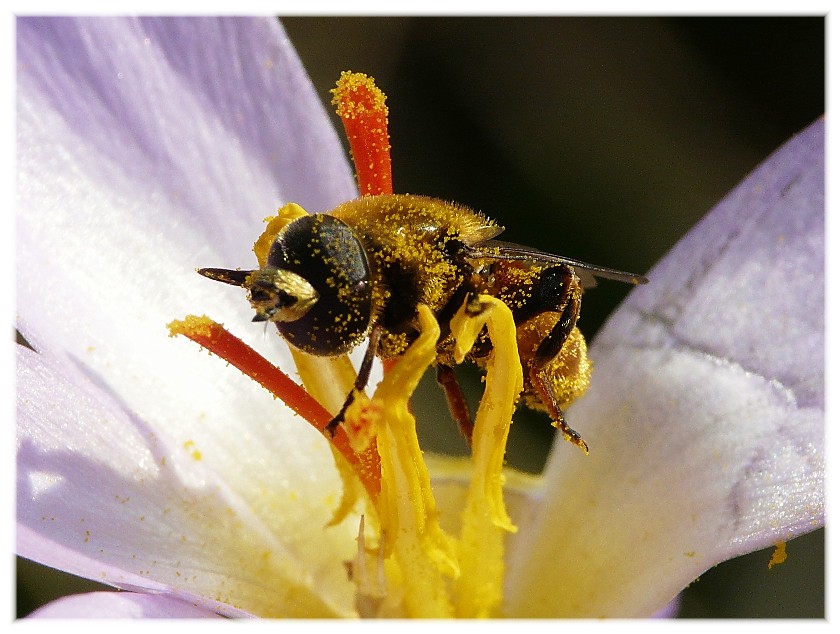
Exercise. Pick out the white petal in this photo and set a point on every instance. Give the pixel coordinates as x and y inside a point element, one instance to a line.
<point>705,417</point>
<point>104,495</point>
<point>147,148</point>
<point>116,605</point>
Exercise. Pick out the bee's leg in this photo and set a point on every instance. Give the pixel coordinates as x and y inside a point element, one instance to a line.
<point>542,385</point>
<point>548,349</point>
<point>458,407</point>
<point>472,285</point>
<point>361,379</point>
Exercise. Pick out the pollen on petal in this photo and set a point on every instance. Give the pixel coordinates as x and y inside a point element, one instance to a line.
<point>779,555</point>
<point>190,447</point>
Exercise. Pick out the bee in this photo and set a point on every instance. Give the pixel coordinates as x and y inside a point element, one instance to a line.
<point>361,270</point>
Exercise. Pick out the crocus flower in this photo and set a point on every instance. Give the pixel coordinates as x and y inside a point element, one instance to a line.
<point>148,147</point>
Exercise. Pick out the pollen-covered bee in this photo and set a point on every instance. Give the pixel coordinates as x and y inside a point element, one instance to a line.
<point>361,270</point>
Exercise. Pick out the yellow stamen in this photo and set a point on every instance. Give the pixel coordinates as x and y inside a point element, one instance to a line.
<point>327,379</point>
<point>478,591</point>
<point>432,573</point>
<point>422,553</point>
<point>275,225</point>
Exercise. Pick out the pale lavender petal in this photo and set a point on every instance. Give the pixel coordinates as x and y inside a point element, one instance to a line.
<point>120,605</point>
<point>104,495</point>
<point>140,158</point>
<point>671,610</point>
<point>214,118</point>
<point>143,151</point>
<point>705,419</point>
<point>150,147</point>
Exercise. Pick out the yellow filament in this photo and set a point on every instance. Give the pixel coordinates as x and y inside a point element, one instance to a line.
<point>422,553</point>
<point>275,224</point>
<point>478,591</point>
<point>327,379</point>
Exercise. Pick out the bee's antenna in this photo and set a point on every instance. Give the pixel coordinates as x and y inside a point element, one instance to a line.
<point>228,276</point>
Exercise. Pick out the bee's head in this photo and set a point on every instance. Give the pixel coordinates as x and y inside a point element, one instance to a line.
<point>315,286</point>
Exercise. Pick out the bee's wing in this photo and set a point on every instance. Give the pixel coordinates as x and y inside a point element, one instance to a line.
<point>481,234</point>
<point>500,250</point>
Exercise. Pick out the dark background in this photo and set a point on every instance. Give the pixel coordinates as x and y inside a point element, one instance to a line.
<point>602,139</point>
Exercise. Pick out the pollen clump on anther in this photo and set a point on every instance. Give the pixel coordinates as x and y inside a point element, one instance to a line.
<point>201,326</point>
<point>361,106</point>
<point>356,94</point>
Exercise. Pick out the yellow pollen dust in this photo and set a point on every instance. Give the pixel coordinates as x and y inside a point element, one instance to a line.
<point>195,454</point>
<point>779,555</point>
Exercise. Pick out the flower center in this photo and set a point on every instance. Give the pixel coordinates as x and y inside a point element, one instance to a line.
<point>406,565</point>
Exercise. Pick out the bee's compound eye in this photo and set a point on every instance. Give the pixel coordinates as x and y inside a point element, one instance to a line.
<point>326,253</point>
